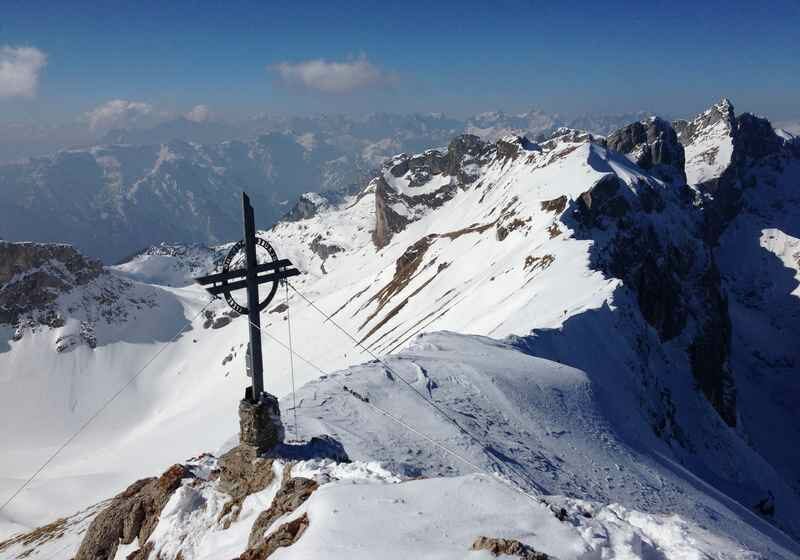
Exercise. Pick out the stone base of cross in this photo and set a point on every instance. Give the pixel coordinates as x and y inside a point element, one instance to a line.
<point>260,425</point>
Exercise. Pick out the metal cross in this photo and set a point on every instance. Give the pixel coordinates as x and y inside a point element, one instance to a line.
<point>229,280</point>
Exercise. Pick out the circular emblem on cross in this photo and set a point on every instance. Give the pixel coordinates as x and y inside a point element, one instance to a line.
<point>236,256</point>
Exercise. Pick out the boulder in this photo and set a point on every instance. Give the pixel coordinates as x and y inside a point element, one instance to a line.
<point>508,547</point>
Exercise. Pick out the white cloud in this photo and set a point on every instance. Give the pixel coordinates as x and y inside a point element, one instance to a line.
<point>118,113</point>
<point>199,114</point>
<point>331,76</point>
<point>19,70</point>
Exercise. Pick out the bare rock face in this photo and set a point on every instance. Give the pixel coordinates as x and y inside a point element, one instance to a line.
<point>387,221</point>
<point>285,535</point>
<point>463,151</point>
<point>653,145</point>
<point>306,207</point>
<point>242,472</point>
<point>33,275</point>
<point>322,249</point>
<point>508,547</point>
<point>132,514</point>
<point>674,278</point>
<point>293,493</point>
<point>604,201</point>
<point>754,138</point>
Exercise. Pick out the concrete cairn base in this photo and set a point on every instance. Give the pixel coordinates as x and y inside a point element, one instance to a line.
<point>260,423</point>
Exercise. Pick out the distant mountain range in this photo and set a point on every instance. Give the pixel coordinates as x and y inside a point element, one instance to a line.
<point>180,180</point>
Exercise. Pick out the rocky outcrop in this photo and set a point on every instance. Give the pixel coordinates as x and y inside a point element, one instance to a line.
<point>324,250</point>
<point>653,145</point>
<point>132,514</point>
<point>673,276</point>
<point>604,201</point>
<point>463,151</point>
<point>292,494</point>
<point>754,138</point>
<point>33,275</point>
<point>387,221</point>
<point>460,163</point>
<point>285,535</point>
<point>306,207</point>
<point>508,547</point>
<point>511,147</point>
<point>241,473</point>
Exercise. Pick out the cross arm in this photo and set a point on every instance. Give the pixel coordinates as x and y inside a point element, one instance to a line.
<point>216,290</point>
<point>231,274</point>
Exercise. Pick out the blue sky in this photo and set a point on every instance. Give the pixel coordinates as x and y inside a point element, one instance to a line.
<point>240,58</point>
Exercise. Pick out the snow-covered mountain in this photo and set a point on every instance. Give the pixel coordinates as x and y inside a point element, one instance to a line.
<point>178,181</point>
<point>112,201</point>
<point>641,372</point>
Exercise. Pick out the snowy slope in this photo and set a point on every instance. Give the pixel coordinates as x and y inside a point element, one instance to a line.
<point>708,141</point>
<point>556,423</point>
<point>548,242</point>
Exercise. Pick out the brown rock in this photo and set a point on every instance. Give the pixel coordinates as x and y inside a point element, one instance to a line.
<point>285,535</point>
<point>131,514</point>
<point>242,473</point>
<point>508,547</point>
<point>292,494</point>
<point>387,221</point>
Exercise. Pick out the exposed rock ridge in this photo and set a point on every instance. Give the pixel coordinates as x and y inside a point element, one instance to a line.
<point>132,514</point>
<point>653,145</point>
<point>292,494</point>
<point>671,271</point>
<point>33,275</point>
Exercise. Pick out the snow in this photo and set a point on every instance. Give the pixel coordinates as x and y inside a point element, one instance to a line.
<point>355,514</point>
<point>710,149</point>
<point>786,248</point>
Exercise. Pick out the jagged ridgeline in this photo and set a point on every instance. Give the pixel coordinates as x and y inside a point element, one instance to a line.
<point>614,318</point>
<point>179,182</point>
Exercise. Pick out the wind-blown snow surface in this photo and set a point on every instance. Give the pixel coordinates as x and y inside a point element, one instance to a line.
<point>552,421</point>
<point>495,257</point>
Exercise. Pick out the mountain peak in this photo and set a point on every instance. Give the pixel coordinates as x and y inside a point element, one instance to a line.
<point>724,104</point>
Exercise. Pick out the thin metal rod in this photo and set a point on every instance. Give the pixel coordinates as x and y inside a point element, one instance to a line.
<point>291,359</point>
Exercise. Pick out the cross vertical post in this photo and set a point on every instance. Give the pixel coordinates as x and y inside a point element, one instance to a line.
<point>253,312</point>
